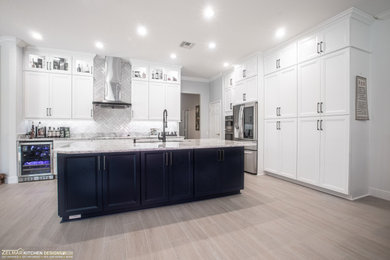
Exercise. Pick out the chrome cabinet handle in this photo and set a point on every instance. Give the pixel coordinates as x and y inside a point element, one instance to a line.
<point>318,48</point>
<point>104,163</point>
<point>166,159</point>
<point>231,105</point>
<point>321,125</point>
<point>277,111</point>
<point>50,111</point>
<point>318,107</point>
<point>98,163</point>
<point>244,73</point>
<point>318,127</point>
<point>47,111</point>
<point>321,49</point>
<point>321,111</point>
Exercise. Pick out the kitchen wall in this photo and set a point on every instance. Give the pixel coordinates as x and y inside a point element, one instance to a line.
<point>201,88</point>
<point>107,120</point>
<point>379,168</point>
<point>216,89</point>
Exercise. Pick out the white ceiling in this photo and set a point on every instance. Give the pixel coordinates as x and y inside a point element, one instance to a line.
<point>240,27</point>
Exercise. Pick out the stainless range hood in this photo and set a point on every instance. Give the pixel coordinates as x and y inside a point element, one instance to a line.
<point>113,84</point>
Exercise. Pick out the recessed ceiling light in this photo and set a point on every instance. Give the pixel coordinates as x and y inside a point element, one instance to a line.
<point>173,56</point>
<point>212,45</point>
<point>208,12</point>
<point>225,64</point>
<point>280,32</point>
<point>99,45</point>
<point>142,31</point>
<point>36,36</point>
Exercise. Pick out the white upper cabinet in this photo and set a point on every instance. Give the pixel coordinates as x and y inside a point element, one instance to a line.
<point>249,92</point>
<point>36,94</point>
<point>82,97</point>
<point>47,95</point>
<point>246,69</point>
<point>60,96</point>
<point>172,101</point>
<point>228,92</point>
<point>39,60</point>
<point>164,96</point>
<point>335,87</point>
<point>140,100</point>
<point>281,94</point>
<point>323,85</point>
<point>281,58</point>
<point>36,61</point>
<point>334,36</point>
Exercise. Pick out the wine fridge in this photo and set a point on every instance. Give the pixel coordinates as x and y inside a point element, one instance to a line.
<point>35,161</point>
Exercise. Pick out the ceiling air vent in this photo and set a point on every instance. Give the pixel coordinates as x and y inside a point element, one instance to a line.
<point>187,45</point>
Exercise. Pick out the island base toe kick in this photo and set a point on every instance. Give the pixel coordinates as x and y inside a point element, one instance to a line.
<point>98,184</point>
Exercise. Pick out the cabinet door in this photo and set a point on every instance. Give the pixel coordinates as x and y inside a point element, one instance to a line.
<point>238,73</point>
<point>309,87</point>
<point>60,96</point>
<point>237,91</point>
<point>79,184</point>
<point>272,159</point>
<point>335,87</point>
<point>288,56</point>
<point>250,67</point>
<point>228,100</point>
<point>271,89</point>
<point>308,48</point>
<point>308,167</point>
<point>206,172</point>
<point>140,100</point>
<point>288,92</point>
<point>250,90</point>
<point>335,36</point>
<point>335,153</point>
<point>36,94</point>
<point>270,62</point>
<point>181,175</point>
<point>154,177</point>
<point>172,101</point>
<point>156,100</point>
<point>288,148</point>
<point>231,175</point>
<point>121,184</point>
<point>82,97</point>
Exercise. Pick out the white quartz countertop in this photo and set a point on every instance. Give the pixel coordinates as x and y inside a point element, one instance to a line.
<point>112,146</point>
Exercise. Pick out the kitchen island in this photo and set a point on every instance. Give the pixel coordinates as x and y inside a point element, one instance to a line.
<point>99,177</point>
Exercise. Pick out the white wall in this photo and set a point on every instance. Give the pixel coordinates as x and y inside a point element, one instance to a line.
<point>216,88</point>
<point>201,88</point>
<point>379,167</point>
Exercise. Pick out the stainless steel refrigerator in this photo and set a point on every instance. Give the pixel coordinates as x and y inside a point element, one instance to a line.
<point>245,129</point>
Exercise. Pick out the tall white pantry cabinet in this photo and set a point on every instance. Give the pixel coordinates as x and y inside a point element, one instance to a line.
<point>310,132</point>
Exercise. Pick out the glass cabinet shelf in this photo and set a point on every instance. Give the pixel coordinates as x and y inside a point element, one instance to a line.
<point>140,72</point>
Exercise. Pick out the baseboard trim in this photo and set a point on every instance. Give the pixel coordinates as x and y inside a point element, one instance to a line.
<point>11,179</point>
<point>383,194</point>
<point>360,197</point>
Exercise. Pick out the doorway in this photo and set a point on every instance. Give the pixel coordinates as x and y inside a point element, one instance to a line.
<point>189,126</point>
<point>215,119</point>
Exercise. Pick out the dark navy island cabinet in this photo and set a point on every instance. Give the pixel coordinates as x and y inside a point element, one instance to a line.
<point>121,181</point>
<point>218,171</point>
<point>99,184</point>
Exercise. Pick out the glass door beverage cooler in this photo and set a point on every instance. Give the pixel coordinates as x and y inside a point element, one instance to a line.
<point>35,161</point>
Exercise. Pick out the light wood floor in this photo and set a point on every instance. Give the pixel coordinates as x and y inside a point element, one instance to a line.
<point>271,219</point>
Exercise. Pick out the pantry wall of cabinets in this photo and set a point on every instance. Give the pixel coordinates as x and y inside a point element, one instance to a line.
<point>57,84</point>
<point>310,130</point>
<point>155,88</point>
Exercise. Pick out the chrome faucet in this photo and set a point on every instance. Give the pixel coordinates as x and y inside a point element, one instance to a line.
<point>165,125</point>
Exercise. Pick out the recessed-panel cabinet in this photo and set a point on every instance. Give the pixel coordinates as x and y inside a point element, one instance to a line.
<point>323,85</point>
<point>280,59</point>
<point>164,96</point>
<point>140,100</point>
<point>60,96</point>
<point>323,152</point>
<point>281,94</point>
<point>82,97</point>
<point>181,175</point>
<point>36,94</point>
<point>121,181</point>
<point>280,144</point>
